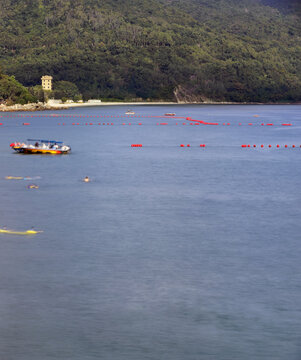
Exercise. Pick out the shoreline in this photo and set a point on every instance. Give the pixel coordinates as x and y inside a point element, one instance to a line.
<point>47,106</point>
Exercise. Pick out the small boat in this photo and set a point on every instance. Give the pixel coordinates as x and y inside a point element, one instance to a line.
<point>14,232</point>
<point>169,114</point>
<point>22,177</point>
<point>34,146</point>
<point>14,177</point>
<point>32,186</point>
<point>130,112</point>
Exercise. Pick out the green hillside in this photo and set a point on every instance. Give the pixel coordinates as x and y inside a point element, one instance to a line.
<point>189,50</point>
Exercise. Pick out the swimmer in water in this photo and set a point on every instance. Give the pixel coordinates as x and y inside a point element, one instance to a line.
<point>86,179</point>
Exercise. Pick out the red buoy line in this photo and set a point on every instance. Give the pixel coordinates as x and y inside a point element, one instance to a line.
<point>243,146</point>
<point>131,116</point>
<point>269,146</point>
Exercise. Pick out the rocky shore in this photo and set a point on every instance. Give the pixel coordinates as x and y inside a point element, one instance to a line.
<point>57,106</point>
<point>45,106</point>
<point>28,107</point>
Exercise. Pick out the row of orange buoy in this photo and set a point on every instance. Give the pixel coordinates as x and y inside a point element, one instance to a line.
<point>243,146</point>
<point>89,124</point>
<point>192,121</point>
<point>269,146</point>
<point>195,123</point>
<point>188,145</point>
<point>81,116</point>
<point>128,116</point>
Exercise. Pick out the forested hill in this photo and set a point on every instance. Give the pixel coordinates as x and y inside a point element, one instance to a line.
<point>189,50</point>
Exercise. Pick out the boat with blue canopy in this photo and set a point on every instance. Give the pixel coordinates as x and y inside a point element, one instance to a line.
<point>40,146</point>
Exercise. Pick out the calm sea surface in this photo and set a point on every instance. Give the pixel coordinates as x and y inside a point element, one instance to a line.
<point>168,253</point>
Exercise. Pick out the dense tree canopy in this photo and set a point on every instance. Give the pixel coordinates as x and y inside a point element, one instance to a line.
<point>11,91</point>
<point>190,50</point>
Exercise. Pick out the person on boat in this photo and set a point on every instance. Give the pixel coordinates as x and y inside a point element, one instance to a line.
<point>36,144</point>
<point>87,179</point>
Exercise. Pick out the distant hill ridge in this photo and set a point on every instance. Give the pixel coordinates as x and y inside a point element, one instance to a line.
<point>189,50</point>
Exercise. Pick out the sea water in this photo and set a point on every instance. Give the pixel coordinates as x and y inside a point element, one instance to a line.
<point>169,252</point>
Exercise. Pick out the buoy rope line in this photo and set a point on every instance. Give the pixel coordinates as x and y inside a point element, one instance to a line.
<point>189,119</point>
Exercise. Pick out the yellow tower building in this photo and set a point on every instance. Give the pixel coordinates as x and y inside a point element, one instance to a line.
<point>47,82</point>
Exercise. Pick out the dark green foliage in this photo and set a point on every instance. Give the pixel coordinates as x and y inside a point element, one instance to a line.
<point>11,91</point>
<point>65,89</point>
<point>222,50</point>
<point>38,92</point>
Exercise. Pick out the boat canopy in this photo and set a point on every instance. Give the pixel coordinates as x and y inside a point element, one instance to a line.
<point>46,141</point>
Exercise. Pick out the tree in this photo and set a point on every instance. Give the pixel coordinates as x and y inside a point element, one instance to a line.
<point>11,91</point>
<point>66,89</point>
